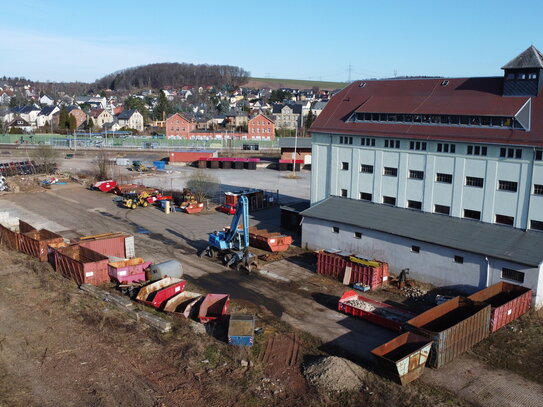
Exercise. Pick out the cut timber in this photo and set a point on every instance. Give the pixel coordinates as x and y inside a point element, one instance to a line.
<point>154,321</point>
<point>119,302</point>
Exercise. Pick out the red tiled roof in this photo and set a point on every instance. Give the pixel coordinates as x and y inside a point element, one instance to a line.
<point>461,96</point>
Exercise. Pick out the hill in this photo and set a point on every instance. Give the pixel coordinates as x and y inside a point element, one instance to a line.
<point>275,83</point>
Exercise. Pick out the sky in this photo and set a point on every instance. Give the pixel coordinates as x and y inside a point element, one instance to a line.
<point>324,40</point>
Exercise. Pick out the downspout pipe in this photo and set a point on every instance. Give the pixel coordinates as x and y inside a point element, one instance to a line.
<point>488,273</point>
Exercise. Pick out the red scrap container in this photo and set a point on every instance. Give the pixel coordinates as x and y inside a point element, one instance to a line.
<point>158,293</point>
<point>271,241</point>
<point>105,186</point>
<point>82,265</point>
<point>9,238</point>
<point>36,243</point>
<point>128,270</point>
<point>508,302</point>
<point>372,273</point>
<point>25,227</point>
<point>51,250</point>
<point>214,306</point>
<point>373,311</point>
<point>108,244</point>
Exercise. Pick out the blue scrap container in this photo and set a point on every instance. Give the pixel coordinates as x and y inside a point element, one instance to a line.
<point>241,330</point>
<point>159,165</point>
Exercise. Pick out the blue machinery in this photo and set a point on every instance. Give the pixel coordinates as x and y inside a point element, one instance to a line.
<point>232,244</point>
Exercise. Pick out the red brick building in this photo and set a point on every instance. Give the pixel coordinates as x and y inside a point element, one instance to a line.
<point>178,126</point>
<point>261,127</point>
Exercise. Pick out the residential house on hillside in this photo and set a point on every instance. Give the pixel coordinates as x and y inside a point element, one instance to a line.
<point>178,126</point>
<point>80,116</point>
<point>287,116</point>
<point>261,127</point>
<point>46,100</point>
<point>45,116</point>
<point>131,119</point>
<point>28,113</point>
<point>100,117</point>
<point>236,119</point>
<point>318,107</point>
<point>19,122</point>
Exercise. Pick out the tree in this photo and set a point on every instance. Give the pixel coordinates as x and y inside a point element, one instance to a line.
<point>90,124</point>
<point>279,95</point>
<point>163,108</point>
<point>134,103</point>
<point>103,165</point>
<point>203,185</point>
<point>63,119</point>
<point>3,126</point>
<point>309,119</point>
<point>72,122</point>
<point>45,156</point>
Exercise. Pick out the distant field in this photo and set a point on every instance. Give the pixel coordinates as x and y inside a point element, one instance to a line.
<point>274,83</point>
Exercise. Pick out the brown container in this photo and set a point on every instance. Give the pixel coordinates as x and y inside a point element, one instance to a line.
<point>454,327</point>
<point>36,243</point>
<point>403,358</point>
<point>107,244</point>
<point>51,250</point>
<point>508,302</point>
<point>9,237</point>
<point>82,265</point>
<point>25,227</point>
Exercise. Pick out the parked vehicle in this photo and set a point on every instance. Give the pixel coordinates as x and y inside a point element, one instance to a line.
<point>229,209</point>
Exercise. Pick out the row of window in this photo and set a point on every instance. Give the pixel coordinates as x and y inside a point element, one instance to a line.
<point>506,274</point>
<point>450,148</point>
<point>436,119</point>
<point>263,130</point>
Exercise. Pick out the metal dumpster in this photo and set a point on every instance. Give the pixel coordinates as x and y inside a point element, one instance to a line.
<point>51,252</point>
<point>108,244</point>
<point>373,311</point>
<point>213,306</point>
<point>508,302</point>
<point>157,293</point>
<point>403,358</point>
<point>241,330</point>
<point>454,327</point>
<point>35,243</point>
<point>126,271</point>
<point>179,303</point>
<point>82,265</point>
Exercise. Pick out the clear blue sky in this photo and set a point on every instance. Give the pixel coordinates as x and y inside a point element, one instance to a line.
<point>301,39</point>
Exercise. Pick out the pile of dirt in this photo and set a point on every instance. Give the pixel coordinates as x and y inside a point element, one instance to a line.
<point>24,183</point>
<point>334,374</point>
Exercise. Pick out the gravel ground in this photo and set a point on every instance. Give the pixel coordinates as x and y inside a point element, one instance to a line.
<point>334,374</point>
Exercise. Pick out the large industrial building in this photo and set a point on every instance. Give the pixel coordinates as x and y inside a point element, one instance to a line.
<point>443,176</point>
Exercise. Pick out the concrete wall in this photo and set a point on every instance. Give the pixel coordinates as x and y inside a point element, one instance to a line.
<point>328,178</point>
<point>432,264</point>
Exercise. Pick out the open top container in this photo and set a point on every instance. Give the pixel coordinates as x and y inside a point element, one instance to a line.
<point>81,265</point>
<point>241,330</point>
<point>403,358</point>
<point>508,302</point>
<point>126,271</point>
<point>157,293</point>
<point>35,243</point>
<point>454,327</point>
<point>213,306</point>
<point>178,303</point>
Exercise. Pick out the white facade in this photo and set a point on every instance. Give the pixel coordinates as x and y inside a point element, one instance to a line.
<point>496,189</point>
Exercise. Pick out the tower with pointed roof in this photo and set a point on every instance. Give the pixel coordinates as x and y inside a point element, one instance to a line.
<point>523,74</point>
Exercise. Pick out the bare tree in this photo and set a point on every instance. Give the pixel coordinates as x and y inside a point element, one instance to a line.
<point>203,185</point>
<point>44,156</point>
<point>103,165</point>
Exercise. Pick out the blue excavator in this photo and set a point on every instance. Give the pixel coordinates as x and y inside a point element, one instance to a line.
<point>232,244</point>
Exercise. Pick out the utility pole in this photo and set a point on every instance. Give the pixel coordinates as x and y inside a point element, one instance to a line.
<point>350,69</point>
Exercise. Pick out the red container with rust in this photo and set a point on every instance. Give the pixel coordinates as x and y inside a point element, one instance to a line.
<point>51,252</point>
<point>270,241</point>
<point>158,293</point>
<point>379,313</point>
<point>107,244</point>
<point>454,327</point>
<point>373,273</point>
<point>508,302</point>
<point>214,306</point>
<point>82,265</point>
<point>126,271</point>
<point>35,243</point>
<point>9,237</point>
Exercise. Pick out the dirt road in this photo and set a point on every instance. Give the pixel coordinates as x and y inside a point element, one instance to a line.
<point>307,305</point>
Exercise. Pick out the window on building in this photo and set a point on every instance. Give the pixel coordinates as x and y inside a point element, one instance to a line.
<point>459,259</point>
<point>358,235</point>
<point>536,224</point>
<point>511,153</point>
<point>417,145</point>
<point>365,196</point>
<point>477,150</point>
<point>505,220</point>
<point>415,249</point>
<point>335,229</point>
<point>416,174</point>
<point>507,186</point>
<point>513,275</point>
<point>370,142</point>
<point>446,148</point>
<point>392,143</point>
<point>366,168</point>
<point>345,140</point>
<point>344,166</point>
<point>446,178</point>
<point>474,182</point>
<point>389,200</point>
<point>539,155</point>
<point>538,189</point>
<point>414,205</point>
<point>344,193</point>
<point>469,214</point>
<point>442,209</point>
<point>391,172</point>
